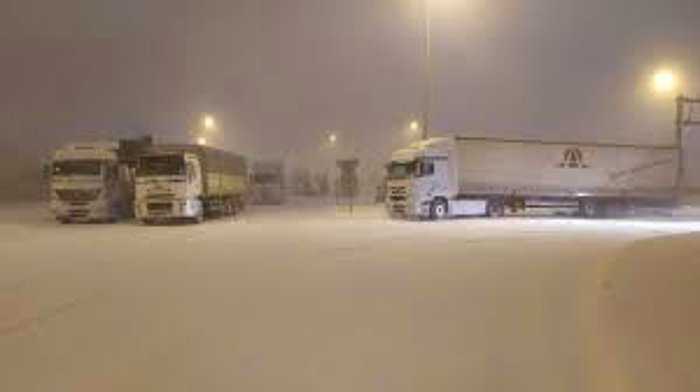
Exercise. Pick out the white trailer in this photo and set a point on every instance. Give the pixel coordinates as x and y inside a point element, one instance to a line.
<point>442,177</point>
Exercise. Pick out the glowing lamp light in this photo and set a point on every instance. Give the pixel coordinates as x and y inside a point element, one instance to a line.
<point>209,122</point>
<point>664,81</point>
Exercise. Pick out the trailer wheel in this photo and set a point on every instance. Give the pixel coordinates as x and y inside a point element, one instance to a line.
<point>439,209</point>
<point>199,218</point>
<point>495,208</point>
<point>588,208</point>
<point>227,206</point>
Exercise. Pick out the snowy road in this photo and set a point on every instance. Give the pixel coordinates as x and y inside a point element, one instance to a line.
<point>315,300</point>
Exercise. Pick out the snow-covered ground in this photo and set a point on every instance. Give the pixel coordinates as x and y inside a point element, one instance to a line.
<point>313,299</point>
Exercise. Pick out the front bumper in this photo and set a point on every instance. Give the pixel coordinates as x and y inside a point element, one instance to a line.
<point>81,211</point>
<point>167,209</point>
<point>407,209</point>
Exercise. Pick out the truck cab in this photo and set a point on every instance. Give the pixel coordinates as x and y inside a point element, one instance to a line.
<point>422,179</point>
<point>169,185</point>
<point>87,183</point>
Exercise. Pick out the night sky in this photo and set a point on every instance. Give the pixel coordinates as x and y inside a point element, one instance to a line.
<point>280,74</point>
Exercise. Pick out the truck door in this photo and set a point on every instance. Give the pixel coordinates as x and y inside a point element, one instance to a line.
<point>194,176</point>
<point>436,172</point>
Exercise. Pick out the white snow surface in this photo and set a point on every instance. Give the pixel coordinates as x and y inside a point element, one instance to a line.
<point>313,299</point>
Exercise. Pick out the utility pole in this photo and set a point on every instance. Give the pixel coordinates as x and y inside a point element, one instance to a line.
<point>684,111</point>
<point>428,71</point>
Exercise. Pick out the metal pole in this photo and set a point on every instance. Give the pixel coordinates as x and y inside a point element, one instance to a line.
<point>680,174</point>
<point>428,73</point>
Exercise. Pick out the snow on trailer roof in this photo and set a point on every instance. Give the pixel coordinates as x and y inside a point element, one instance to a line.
<point>213,159</point>
<point>436,146</point>
<point>439,145</point>
<point>87,151</point>
<point>432,142</point>
<point>563,143</point>
<point>100,145</point>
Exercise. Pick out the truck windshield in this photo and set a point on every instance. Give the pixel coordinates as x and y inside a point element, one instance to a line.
<point>161,165</point>
<point>401,170</point>
<point>86,167</point>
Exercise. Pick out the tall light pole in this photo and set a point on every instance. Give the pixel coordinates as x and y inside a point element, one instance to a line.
<point>666,82</point>
<point>427,68</point>
<point>332,147</point>
<point>683,103</point>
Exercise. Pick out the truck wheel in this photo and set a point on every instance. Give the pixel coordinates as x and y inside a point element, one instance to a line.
<point>235,206</point>
<point>226,208</point>
<point>199,218</point>
<point>588,208</point>
<point>495,209</point>
<point>439,209</point>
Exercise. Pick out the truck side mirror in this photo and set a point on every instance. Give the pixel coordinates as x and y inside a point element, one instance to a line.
<point>46,169</point>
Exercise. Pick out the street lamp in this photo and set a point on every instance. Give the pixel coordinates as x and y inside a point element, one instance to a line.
<point>664,81</point>
<point>207,130</point>
<point>332,139</point>
<point>208,122</point>
<point>414,126</point>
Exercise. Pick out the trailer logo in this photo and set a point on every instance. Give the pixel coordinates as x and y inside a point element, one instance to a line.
<point>573,159</point>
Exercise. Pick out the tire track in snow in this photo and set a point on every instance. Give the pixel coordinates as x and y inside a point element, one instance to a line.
<point>13,325</point>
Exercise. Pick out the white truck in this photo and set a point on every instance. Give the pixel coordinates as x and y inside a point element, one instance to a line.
<point>189,182</point>
<point>464,176</point>
<point>92,182</point>
<point>267,183</point>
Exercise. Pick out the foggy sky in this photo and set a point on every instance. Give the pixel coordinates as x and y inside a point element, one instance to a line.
<point>279,74</point>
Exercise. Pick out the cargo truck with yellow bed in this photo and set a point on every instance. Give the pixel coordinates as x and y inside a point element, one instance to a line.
<point>189,183</point>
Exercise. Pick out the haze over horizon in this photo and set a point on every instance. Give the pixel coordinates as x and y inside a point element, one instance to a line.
<point>280,75</point>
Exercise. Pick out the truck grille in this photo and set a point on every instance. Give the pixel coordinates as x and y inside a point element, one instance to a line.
<point>78,213</point>
<point>161,196</point>
<point>398,209</point>
<point>398,193</point>
<point>79,195</point>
